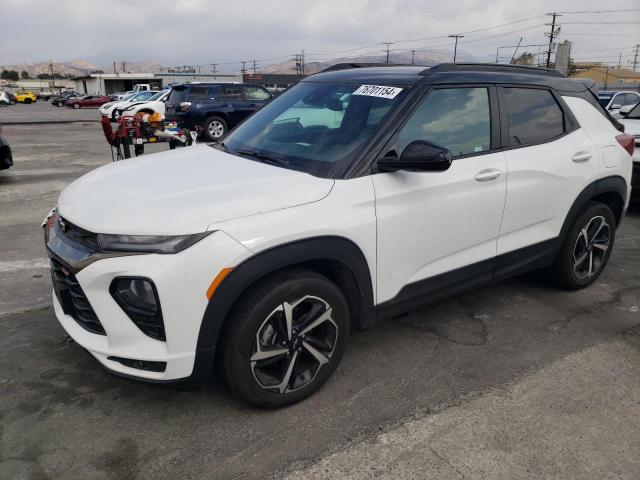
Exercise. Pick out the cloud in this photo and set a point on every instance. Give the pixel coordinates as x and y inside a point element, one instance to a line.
<point>201,32</point>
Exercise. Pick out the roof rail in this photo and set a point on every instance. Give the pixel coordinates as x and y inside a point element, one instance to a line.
<point>347,66</point>
<point>491,67</point>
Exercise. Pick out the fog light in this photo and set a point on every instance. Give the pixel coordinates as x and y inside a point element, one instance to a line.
<point>138,298</point>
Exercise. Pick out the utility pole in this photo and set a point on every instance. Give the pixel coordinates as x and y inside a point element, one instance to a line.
<point>387,44</point>
<point>53,77</point>
<point>254,70</point>
<point>413,56</point>
<point>302,63</point>
<point>552,35</point>
<point>213,68</point>
<point>635,58</point>
<point>515,51</point>
<point>620,60</point>
<point>455,48</point>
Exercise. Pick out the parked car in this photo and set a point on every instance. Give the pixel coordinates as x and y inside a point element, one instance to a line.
<point>215,107</point>
<point>613,101</point>
<point>153,105</point>
<point>5,99</point>
<point>631,121</point>
<point>45,95</point>
<point>356,195</point>
<point>61,99</point>
<point>140,87</point>
<point>26,97</point>
<point>87,101</point>
<point>113,109</point>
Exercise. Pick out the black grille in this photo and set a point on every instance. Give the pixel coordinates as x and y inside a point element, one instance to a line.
<point>76,235</point>
<point>72,299</point>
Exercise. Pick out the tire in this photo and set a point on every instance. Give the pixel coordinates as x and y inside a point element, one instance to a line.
<point>27,101</point>
<point>214,129</point>
<point>3,103</point>
<point>586,249</point>
<point>115,115</point>
<point>76,106</point>
<point>271,382</point>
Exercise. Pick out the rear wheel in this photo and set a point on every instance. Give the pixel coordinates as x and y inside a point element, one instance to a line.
<point>27,101</point>
<point>215,128</point>
<point>586,249</point>
<point>285,338</point>
<point>76,105</point>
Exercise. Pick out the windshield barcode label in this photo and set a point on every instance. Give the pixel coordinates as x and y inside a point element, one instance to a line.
<point>377,91</point>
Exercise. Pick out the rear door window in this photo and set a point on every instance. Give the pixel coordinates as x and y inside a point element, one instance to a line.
<point>534,116</point>
<point>231,92</point>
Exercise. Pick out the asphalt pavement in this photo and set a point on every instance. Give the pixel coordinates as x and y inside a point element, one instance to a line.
<point>62,416</point>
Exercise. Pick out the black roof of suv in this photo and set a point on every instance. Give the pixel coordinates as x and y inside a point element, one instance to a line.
<point>461,73</point>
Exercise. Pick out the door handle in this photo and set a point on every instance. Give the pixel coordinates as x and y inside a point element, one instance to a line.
<point>487,175</point>
<point>581,157</point>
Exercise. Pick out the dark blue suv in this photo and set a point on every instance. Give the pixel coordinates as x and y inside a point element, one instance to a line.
<point>216,107</point>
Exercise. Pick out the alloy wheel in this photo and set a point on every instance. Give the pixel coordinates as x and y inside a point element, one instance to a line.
<point>215,128</point>
<point>591,247</point>
<point>293,344</point>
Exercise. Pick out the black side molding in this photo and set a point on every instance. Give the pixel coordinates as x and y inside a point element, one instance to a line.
<point>310,252</point>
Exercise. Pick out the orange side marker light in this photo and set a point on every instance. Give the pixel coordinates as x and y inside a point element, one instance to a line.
<point>217,281</point>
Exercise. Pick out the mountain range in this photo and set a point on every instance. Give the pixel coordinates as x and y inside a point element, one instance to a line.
<point>81,67</point>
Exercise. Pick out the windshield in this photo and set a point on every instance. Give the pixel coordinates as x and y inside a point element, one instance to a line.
<point>315,127</point>
<point>158,95</point>
<point>146,95</point>
<point>634,112</point>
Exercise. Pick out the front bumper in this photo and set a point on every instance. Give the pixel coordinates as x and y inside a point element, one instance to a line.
<point>181,281</point>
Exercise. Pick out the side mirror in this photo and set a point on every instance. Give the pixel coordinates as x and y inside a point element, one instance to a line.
<point>615,106</point>
<point>418,156</point>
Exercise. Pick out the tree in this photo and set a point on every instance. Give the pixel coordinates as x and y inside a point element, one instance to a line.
<point>9,75</point>
<point>25,75</point>
<point>44,76</point>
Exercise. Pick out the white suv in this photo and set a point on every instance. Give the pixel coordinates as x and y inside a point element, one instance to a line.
<point>356,195</point>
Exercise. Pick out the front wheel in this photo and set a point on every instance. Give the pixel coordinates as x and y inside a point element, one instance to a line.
<point>76,106</point>
<point>586,249</point>
<point>285,338</point>
<point>27,101</point>
<point>215,128</point>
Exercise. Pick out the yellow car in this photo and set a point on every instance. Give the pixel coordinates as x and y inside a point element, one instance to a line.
<point>26,97</point>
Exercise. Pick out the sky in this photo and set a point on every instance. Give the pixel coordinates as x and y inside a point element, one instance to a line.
<point>200,32</point>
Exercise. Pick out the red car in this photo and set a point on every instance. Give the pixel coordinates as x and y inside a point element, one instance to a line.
<point>87,101</point>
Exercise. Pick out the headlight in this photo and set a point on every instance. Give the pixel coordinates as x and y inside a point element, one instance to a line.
<point>148,243</point>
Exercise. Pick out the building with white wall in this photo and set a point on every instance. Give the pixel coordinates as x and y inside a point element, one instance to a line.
<point>108,83</point>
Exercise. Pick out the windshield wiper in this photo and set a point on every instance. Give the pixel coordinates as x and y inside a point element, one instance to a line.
<point>263,158</point>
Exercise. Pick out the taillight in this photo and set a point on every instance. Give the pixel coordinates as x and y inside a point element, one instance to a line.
<point>627,142</point>
<point>184,106</point>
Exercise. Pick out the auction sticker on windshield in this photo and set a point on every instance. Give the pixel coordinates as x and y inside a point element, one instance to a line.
<point>377,91</point>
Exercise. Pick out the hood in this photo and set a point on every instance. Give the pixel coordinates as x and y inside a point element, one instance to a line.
<point>183,191</point>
